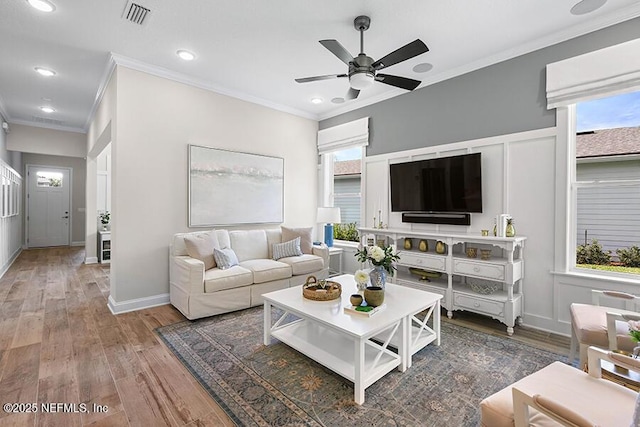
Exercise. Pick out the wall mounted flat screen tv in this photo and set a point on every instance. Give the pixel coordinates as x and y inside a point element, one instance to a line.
<point>446,184</point>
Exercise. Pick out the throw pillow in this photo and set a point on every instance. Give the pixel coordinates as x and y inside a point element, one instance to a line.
<point>225,258</point>
<point>306,242</point>
<point>200,246</point>
<point>287,249</point>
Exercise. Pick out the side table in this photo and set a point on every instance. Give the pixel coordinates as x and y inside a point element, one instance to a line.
<point>335,252</point>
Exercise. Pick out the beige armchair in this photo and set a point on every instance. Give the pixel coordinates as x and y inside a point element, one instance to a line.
<point>560,394</point>
<point>589,323</point>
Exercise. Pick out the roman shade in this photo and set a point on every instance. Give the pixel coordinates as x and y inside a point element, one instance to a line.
<point>604,72</point>
<point>347,135</point>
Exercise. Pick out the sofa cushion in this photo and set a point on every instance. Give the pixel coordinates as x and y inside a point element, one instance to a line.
<point>249,244</point>
<point>287,249</point>
<point>233,277</point>
<point>225,258</point>
<point>304,264</point>
<point>306,241</point>
<point>201,245</point>
<point>265,270</point>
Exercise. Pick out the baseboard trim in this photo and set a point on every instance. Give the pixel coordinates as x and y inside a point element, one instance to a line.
<point>91,260</point>
<point>137,304</point>
<point>78,243</point>
<point>10,262</point>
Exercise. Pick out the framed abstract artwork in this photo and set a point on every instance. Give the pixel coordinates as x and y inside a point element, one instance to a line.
<point>231,188</point>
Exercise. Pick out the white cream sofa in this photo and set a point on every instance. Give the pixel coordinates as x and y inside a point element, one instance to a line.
<point>198,293</point>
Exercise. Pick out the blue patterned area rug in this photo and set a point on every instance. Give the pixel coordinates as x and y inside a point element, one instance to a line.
<point>275,385</point>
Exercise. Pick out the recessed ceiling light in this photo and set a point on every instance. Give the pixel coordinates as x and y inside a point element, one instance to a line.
<point>423,68</point>
<point>316,100</point>
<point>186,55</point>
<point>45,72</point>
<point>47,99</point>
<point>42,5</point>
<point>47,109</point>
<point>338,100</point>
<point>587,6</point>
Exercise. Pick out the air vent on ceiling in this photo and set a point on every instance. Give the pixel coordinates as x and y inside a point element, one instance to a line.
<point>44,120</point>
<point>136,13</point>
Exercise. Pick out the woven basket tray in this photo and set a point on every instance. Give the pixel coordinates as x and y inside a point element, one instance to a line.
<point>323,290</point>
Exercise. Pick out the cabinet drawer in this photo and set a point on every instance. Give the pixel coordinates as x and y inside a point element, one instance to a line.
<point>435,263</point>
<point>479,269</point>
<point>478,305</point>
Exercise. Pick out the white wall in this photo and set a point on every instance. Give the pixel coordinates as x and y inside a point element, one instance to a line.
<point>30,139</point>
<point>156,120</point>
<point>99,136</point>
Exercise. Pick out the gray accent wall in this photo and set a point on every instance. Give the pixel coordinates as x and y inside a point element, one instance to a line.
<point>501,99</point>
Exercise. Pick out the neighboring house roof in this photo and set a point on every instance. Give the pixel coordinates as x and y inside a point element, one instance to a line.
<point>347,167</point>
<point>608,142</point>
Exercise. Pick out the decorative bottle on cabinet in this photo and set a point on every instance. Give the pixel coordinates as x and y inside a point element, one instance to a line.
<point>441,247</point>
<point>510,231</point>
<point>423,246</point>
<point>408,244</point>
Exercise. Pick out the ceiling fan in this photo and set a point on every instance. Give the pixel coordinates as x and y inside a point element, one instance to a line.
<point>363,70</point>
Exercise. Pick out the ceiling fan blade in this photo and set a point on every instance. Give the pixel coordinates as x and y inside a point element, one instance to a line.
<point>397,81</point>
<point>316,78</point>
<point>338,50</point>
<point>407,51</point>
<point>352,94</point>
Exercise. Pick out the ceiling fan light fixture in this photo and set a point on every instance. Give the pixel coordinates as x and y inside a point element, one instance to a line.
<point>42,5</point>
<point>361,80</point>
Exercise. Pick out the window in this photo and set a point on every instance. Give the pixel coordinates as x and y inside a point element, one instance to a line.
<point>341,150</point>
<point>49,179</point>
<point>606,184</point>
<point>346,183</point>
<point>343,189</point>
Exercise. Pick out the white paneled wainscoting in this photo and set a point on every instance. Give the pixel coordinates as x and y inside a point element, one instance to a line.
<point>10,216</point>
<point>522,175</point>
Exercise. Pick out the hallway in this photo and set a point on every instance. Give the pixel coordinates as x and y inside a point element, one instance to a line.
<point>59,343</point>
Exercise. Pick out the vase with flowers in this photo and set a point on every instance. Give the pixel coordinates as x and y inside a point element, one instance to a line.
<point>634,332</point>
<point>105,218</point>
<point>382,260</point>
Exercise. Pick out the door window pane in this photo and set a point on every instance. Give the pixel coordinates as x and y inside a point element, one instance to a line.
<point>49,179</point>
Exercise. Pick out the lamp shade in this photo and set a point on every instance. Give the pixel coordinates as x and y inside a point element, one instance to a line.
<point>328,215</point>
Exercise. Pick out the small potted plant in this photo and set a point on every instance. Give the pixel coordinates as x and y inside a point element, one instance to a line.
<point>105,218</point>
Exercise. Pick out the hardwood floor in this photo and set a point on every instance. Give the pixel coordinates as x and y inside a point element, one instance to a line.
<point>59,343</point>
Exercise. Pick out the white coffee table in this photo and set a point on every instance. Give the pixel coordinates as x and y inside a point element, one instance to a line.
<point>343,342</point>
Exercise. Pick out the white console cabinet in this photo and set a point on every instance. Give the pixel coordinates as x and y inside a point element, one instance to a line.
<point>458,272</point>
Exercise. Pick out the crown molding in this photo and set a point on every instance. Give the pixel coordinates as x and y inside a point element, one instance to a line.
<point>201,84</point>
<point>47,126</point>
<point>102,87</point>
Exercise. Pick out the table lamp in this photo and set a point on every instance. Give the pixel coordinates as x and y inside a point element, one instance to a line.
<point>328,216</point>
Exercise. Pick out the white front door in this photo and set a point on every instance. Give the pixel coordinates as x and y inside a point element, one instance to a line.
<point>48,207</point>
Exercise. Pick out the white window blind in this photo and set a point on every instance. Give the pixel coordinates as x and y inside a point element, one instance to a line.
<point>608,71</point>
<point>341,137</point>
